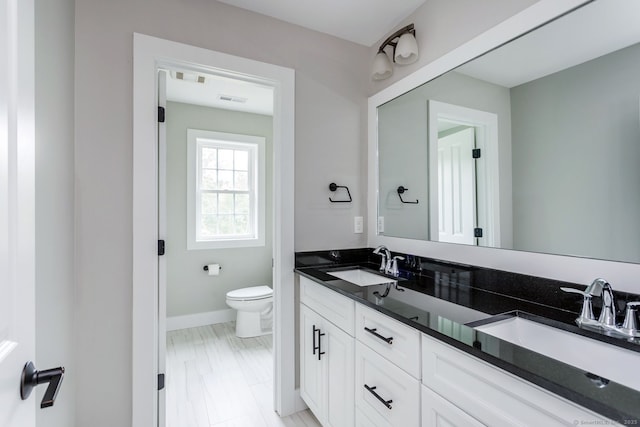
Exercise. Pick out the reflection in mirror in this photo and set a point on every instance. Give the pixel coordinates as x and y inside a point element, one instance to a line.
<point>533,146</point>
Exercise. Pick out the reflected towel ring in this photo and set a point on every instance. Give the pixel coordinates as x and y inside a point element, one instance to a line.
<point>400,191</point>
<point>333,187</point>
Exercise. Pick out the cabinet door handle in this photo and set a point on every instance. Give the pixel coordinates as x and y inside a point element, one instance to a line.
<point>386,403</point>
<point>388,340</point>
<point>315,346</point>
<point>320,352</point>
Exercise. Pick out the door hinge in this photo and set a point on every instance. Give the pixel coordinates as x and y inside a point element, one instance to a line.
<point>160,247</point>
<point>477,232</point>
<point>475,153</point>
<point>160,114</point>
<point>160,381</point>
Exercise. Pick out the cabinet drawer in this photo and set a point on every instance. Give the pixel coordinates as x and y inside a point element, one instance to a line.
<point>392,339</point>
<point>334,307</point>
<point>439,412</point>
<point>385,393</point>
<point>492,396</point>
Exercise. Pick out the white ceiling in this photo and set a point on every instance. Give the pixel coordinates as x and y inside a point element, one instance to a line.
<point>360,21</point>
<point>259,99</point>
<point>590,32</point>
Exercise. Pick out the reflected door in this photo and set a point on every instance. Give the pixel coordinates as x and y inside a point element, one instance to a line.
<point>457,187</point>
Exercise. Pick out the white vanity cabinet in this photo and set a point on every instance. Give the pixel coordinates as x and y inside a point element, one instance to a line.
<point>327,354</point>
<point>489,395</point>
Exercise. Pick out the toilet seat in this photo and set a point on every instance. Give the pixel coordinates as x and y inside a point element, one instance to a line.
<point>250,294</point>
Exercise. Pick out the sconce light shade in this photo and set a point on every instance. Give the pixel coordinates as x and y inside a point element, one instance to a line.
<point>406,52</point>
<point>382,68</point>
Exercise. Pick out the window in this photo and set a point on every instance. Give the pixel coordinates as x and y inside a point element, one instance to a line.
<point>226,190</point>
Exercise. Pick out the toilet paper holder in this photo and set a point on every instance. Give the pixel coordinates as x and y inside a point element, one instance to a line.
<point>206,267</point>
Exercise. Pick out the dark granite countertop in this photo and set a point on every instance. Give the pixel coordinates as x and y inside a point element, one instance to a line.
<point>485,293</point>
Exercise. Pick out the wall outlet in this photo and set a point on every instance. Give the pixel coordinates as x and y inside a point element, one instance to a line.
<point>358,224</point>
<point>380,224</point>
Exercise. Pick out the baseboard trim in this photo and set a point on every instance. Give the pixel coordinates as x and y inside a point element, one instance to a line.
<point>175,323</point>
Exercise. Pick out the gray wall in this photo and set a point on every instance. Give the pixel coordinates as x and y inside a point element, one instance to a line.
<point>403,140</point>
<point>443,25</point>
<point>189,289</point>
<point>576,146</point>
<point>54,108</point>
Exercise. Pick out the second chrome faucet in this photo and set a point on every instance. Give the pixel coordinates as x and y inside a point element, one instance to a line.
<point>607,319</point>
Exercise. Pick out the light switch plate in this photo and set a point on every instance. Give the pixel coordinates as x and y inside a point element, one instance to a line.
<point>358,224</point>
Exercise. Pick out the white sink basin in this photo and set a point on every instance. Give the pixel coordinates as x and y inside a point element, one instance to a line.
<point>599,358</point>
<point>360,277</point>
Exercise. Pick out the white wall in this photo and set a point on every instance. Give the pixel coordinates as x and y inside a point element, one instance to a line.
<point>330,97</point>
<point>189,289</point>
<point>443,25</point>
<point>55,305</point>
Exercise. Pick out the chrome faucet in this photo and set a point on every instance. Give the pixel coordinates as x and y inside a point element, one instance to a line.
<point>386,257</point>
<point>388,265</point>
<point>607,320</point>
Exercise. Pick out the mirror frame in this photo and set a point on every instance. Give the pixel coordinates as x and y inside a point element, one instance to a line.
<point>623,276</point>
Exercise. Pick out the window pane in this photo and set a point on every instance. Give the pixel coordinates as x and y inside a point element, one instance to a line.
<point>225,180</point>
<point>209,157</point>
<point>209,226</point>
<point>241,181</point>
<point>225,159</point>
<point>242,224</point>
<point>241,161</point>
<point>209,180</point>
<point>209,203</point>
<point>242,204</point>
<point>225,225</point>
<point>225,203</point>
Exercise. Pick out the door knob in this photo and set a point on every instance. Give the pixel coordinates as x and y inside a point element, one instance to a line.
<point>31,378</point>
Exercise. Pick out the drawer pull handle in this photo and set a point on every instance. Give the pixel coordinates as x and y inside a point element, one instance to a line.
<point>386,403</point>
<point>315,346</point>
<point>373,332</point>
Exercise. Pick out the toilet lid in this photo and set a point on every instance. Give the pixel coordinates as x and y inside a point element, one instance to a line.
<point>251,293</point>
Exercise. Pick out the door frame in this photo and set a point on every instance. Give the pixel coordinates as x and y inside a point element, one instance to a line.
<point>150,54</point>
<point>487,171</point>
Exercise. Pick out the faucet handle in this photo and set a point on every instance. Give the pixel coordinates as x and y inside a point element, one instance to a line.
<point>394,265</point>
<point>587,309</point>
<point>630,319</point>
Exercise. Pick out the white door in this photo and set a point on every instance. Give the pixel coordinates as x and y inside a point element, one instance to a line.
<point>339,360</point>
<point>312,373</point>
<point>457,187</point>
<point>17,197</point>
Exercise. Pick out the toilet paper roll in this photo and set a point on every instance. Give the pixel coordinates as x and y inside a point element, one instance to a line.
<point>213,269</point>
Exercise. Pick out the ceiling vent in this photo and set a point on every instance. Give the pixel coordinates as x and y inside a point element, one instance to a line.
<point>230,98</point>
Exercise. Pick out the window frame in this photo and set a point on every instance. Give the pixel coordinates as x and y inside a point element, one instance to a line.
<point>196,139</point>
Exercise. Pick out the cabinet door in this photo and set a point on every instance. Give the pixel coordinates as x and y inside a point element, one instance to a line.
<point>439,412</point>
<point>338,347</point>
<point>312,374</point>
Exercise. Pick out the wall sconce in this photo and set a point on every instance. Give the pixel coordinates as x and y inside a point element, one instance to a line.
<point>405,51</point>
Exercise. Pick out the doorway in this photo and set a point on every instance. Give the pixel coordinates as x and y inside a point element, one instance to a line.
<point>150,55</point>
<point>216,217</point>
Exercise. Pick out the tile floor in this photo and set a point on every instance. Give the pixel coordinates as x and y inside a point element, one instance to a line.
<point>217,379</point>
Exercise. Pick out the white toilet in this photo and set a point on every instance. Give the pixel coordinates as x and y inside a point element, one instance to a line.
<point>254,306</point>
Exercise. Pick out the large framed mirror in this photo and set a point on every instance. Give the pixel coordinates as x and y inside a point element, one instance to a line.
<point>533,146</point>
